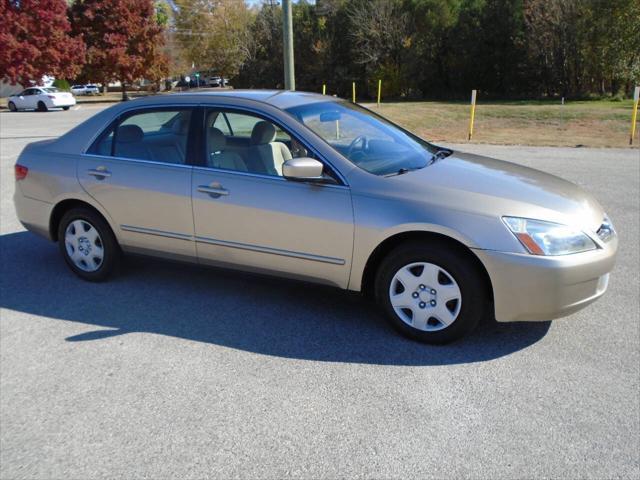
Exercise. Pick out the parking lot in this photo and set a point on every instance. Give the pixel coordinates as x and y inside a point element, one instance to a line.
<point>180,371</point>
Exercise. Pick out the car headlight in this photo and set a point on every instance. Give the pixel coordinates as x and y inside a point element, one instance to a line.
<point>546,238</point>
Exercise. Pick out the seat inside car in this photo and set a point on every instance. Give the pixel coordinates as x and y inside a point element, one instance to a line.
<point>218,156</point>
<point>130,143</point>
<point>270,153</point>
<point>180,128</point>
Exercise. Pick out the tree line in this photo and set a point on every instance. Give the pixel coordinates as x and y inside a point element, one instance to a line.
<point>418,48</point>
<point>445,48</point>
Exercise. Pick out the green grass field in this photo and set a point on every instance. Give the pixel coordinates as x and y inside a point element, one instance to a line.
<point>589,123</point>
<point>597,123</point>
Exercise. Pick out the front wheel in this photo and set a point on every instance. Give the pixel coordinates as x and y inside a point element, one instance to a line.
<point>87,244</point>
<point>12,107</point>
<point>431,293</point>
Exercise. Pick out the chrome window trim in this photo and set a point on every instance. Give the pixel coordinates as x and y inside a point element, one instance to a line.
<point>138,160</point>
<point>205,106</point>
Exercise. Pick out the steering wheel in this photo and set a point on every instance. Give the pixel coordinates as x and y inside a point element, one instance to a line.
<point>352,146</point>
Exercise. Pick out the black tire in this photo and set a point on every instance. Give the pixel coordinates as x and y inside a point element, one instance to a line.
<point>12,107</point>
<point>107,239</point>
<point>42,107</point>
<point>475,293</point>
<point>65,108</point>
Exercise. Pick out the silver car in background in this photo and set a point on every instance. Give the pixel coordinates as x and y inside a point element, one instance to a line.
<point>311,187</point>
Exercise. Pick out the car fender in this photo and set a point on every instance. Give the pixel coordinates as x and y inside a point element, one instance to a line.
<point>366,242</point>
<point>81,195</point>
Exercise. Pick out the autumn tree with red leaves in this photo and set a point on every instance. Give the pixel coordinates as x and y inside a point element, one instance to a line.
<point>35,41</point>
<point>123,39</point>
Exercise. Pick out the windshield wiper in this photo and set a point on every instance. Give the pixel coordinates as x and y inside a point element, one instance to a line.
<point>401,171</point>
<point>439,155</point>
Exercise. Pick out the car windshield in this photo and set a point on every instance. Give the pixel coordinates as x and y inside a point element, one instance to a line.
<point>50,90</point>
<point>366,139</point>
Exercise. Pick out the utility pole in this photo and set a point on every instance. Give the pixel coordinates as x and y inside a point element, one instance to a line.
<point>287,37</point>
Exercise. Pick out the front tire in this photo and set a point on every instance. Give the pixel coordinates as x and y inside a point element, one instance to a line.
<point>42,107</point>
<point>431,292</point>
<point>88,245</point>
<point>12,107</point>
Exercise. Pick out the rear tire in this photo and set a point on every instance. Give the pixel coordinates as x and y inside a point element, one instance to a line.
<point>65,108</point>
<point>42,107</point>
<point>88,245</point>
<point>12,107</point>
<point>431,292</point>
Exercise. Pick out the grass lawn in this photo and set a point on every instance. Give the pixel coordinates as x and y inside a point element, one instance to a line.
<point>600,123</point>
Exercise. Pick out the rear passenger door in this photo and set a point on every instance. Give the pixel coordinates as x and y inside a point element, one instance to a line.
<point>139,171</point>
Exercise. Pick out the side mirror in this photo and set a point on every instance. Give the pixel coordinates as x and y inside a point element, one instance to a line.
<point>302,169</point>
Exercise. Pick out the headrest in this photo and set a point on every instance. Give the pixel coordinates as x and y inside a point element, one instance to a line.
<point>180,126</point>
<point>130,133</point>
<point>263,132</point>
<point>216,140</point>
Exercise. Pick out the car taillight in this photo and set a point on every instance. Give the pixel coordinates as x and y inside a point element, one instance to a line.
<point>51,97</point>
<point>21,172</point>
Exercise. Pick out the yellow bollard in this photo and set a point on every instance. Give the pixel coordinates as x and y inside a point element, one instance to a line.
<point>324,88</point>
<point>379,91</point>
<point>353,92</point>
<point>473,112</point>
<point>634,115</point>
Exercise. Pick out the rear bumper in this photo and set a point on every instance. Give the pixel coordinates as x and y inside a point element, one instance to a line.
<point>63,103</point>
<point>33,214</point>
<point>528,287</point>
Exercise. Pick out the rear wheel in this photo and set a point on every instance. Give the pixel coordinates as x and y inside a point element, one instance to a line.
<point>42,107</point>
<point>431,293</point>
<point>88,244</point>
<point>12,106</point>
<point>65,108</point>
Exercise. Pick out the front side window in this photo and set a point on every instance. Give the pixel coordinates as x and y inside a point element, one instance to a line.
<point>156,135</point>
<point>248,143</point>
<point>368,140</point>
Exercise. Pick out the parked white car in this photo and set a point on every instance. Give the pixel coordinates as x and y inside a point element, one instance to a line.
<point>41,99</point>
<point>89,89</point>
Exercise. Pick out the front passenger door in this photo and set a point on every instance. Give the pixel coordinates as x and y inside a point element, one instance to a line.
<point>248,216</point>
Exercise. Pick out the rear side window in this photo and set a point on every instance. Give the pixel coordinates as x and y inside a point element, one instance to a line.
<point>156,135</point>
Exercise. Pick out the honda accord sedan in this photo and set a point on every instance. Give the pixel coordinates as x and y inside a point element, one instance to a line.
<point>315,188</point>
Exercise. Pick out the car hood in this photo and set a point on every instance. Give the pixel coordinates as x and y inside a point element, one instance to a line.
<point>493,187</point>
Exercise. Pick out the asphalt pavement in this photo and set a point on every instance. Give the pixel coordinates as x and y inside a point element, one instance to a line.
<point>180,371</point>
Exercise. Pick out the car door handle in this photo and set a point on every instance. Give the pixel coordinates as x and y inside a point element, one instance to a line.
<point>98,173</point>
<point>213,191</point>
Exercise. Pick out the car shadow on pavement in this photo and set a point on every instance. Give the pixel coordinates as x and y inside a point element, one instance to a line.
<point>258,314</point>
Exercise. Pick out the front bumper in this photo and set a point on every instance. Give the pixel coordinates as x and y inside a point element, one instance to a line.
<point>529,287</point>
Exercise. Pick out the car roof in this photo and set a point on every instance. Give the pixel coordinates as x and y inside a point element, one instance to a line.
<point>282,99</point>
